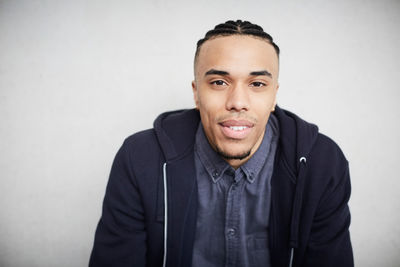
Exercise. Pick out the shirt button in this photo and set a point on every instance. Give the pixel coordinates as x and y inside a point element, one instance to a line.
<point>231,232</point>
<point>215,174</point>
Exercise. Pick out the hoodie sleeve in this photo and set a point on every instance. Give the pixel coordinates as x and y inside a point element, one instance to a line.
<point>120,238</point>
<point>329,243</point>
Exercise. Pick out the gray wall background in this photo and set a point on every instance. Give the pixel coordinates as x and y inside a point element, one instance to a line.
<point>77,77</point>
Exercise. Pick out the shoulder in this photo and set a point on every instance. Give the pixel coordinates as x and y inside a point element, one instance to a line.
<point>142,149</point>
<point>327,164</point>
<point>141,140</point>
<point>327,150</point>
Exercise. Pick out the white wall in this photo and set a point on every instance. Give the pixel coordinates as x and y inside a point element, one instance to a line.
<point>77,77</point>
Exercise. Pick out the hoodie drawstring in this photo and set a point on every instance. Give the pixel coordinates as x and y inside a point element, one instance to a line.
<point>291,257</point>
<point>297,202</point>
<point>165,214</point>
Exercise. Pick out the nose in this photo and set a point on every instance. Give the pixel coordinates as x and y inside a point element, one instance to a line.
<point>237,99</point>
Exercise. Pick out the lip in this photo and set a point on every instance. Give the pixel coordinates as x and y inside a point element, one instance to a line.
<point>228,123</point>
<point>236,129</point>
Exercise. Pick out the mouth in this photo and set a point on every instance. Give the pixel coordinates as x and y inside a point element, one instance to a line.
<point>236,129</point>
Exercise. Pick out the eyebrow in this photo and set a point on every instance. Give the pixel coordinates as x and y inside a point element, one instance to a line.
<point>261,73</point>
<point>225,73</point>
<point>216,72</point>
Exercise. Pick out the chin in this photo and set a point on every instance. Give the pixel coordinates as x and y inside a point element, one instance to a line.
<point>233,155</point>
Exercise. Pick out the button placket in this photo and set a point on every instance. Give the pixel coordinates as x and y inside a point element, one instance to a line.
<point>231,222</point>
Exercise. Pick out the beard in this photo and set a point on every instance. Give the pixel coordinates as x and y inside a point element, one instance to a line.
<point>232,156</point>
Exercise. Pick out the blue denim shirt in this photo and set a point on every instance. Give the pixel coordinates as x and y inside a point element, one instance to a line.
<point>233,205</point>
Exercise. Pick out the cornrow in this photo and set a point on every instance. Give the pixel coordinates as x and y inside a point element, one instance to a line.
<point>237,27</point>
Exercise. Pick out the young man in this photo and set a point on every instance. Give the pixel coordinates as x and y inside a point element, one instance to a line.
<point>237,181</point>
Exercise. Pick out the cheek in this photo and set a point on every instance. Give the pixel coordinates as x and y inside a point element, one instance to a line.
<point>209,105</point>
<point>204,113</point>
<point>263,105</point>
<point>262,108</point>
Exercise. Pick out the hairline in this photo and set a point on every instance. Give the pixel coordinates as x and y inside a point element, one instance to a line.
<point>198,48</point>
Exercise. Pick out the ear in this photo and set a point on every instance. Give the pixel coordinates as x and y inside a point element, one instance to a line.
<point>276,92</point>
<point>195,95</point>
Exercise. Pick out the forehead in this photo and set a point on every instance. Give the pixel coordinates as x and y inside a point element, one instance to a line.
<point>237,52</point>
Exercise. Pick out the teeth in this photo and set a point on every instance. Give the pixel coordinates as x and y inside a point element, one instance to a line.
<point>238,128</point>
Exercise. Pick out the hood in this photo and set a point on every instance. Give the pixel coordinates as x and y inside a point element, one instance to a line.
<point>297,137</point>
<point>176,131</point>
<point>297,140</point>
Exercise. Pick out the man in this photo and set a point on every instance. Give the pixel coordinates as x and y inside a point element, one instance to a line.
<point>237,181</point>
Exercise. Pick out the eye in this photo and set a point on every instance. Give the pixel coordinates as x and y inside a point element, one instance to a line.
<point>257,84</point>
<point>218,82</point>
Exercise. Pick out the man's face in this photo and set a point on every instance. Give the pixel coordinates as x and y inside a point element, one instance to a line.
<point>235,86</point>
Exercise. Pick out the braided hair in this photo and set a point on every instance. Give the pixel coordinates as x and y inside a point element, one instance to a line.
<point>237,27</point>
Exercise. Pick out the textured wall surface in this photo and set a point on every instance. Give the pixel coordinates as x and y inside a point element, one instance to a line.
<point>77,77</point>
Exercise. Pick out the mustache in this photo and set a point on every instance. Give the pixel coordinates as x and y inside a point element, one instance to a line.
<point>241,115</point>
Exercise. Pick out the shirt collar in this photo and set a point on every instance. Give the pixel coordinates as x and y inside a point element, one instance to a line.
<point>216,166</point>
<point>213,163</point>
<point>254,165</point>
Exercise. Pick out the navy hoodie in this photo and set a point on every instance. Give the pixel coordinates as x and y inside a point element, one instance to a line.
<point>150,205</point>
